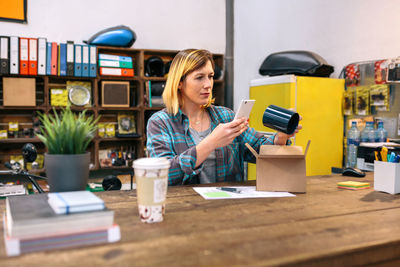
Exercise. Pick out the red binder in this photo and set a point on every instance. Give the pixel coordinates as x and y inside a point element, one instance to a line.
<point>33,51</point>
<point>116,72</point>
<point>54,58</point>
<point>23,55</point>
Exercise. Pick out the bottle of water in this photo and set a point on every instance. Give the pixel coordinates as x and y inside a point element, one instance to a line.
<point>381,132</point>
<point>353,140</point>
<point>373,134</point>
<point>365,134</point>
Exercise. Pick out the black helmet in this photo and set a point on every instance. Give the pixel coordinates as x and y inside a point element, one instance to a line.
<point>217,72</point>
<point>299,62</point>
<point>167,66</point>
<point>154,67</point>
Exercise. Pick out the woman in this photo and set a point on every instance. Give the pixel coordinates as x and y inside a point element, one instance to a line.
<point>203,142</point>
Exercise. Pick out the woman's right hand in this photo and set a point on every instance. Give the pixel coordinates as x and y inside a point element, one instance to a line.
<point>225,133</point>
<point>221,136</point>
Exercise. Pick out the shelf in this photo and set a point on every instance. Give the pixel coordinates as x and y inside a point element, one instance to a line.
<point>79,78</point>
<point>161,79</point>
<point>137,90</point>
<point>153,108</point>
<point>20,140</point>
<point>74,108</point>
<point>24,76</point>
<point>36,171</point>
<point>23,108</point>
<point>118,139</point>
<point>118,109</point>
<point>119,78</point>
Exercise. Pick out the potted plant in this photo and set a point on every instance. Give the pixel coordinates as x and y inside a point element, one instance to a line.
<point>66,137</point>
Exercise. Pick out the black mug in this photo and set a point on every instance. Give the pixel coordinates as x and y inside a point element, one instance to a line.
<point>281,119</point>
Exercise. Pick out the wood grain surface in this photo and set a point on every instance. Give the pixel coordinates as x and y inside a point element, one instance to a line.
<point>325,226</point>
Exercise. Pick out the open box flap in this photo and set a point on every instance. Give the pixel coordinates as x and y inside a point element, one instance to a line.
<point>277,156</point>
<point>252,150</point>
<point>280,150</point>
<point>273,151</point>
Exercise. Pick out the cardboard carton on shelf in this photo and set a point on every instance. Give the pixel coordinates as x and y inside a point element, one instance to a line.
<point>19,92</point>
<point>280,168</point>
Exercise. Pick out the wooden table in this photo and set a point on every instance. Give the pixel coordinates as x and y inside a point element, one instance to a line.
<point>326,227</point>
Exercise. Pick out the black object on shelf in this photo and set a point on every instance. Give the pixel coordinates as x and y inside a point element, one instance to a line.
<point>111,182</point>
<point>303,63</point>
<point>154,67</point>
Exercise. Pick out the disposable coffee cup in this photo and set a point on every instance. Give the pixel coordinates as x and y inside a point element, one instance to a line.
<point>281,119</point>
<point>151,187</point>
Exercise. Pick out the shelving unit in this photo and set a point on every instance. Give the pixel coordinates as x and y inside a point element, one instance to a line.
<point>23,115</point>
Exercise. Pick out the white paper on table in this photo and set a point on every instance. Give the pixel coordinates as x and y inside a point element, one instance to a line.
<point>245,192</point>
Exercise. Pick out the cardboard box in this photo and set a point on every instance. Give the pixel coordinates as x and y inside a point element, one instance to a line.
<point>387,177</point>
<point>19,92</point>
<point>281,168</point>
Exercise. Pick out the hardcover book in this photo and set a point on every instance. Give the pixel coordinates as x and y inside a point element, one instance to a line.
<point>61,240</point>
<point>31,215</point>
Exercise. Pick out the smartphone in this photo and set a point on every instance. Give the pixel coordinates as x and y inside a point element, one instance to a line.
<point>244,109</point>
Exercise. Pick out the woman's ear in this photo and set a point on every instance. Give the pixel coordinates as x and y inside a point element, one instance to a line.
<point>180,85</point>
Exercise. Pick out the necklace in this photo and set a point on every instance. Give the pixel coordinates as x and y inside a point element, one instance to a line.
<point>198,121</point>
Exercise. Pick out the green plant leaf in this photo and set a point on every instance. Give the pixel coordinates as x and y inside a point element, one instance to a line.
<point>66,132</point>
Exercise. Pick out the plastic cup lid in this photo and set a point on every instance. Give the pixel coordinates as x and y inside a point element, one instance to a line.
<point>151,163</point>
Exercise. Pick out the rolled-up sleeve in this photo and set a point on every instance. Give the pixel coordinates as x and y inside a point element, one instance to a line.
<point>162,141</point>
<point>255,140</point>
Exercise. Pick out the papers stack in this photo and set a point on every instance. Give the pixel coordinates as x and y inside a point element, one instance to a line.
<point>31,224</point>
<point>353,185</point>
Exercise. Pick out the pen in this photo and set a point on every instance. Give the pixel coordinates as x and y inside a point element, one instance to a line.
<point>378,155</point>
<point>391,157</point>
<point>384,153</point>
<point>229,189</point>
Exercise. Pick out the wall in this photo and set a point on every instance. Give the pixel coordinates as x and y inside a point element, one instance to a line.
<point>341,31</point>
<point>172,24</point>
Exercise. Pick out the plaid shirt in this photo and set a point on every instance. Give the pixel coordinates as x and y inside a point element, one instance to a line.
<point>168,136</point>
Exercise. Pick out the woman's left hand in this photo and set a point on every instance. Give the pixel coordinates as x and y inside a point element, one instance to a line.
<point>281,138</point>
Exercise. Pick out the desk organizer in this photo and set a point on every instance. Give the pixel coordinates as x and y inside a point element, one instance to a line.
<point>387,177</point>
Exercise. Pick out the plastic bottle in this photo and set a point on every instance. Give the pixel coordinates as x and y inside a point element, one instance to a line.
<point>373,134</point>
<point>381,132</point>
<point>365,133</point>
<point>353,140</point>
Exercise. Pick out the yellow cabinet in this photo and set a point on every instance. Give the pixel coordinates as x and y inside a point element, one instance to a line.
<point>319,102</point>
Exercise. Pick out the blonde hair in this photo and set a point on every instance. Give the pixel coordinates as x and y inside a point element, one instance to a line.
<point>184,63</point>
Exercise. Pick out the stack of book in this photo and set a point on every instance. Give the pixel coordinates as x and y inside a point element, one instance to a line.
<point>55,221</point>
<point>115,65</point>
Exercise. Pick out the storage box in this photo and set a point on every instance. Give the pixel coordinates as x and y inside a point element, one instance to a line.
<point>281,168</point>
<point>387,177</point>
<point>115,94</point>
<point>59,97</point>
<point>19,92</point>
